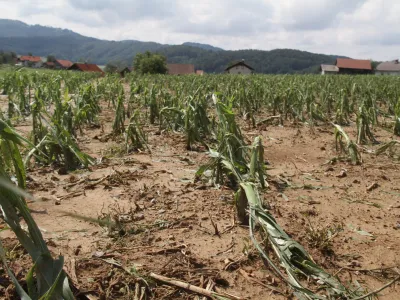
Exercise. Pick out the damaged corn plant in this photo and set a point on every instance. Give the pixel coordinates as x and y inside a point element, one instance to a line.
<point>295,264</point>
<point>230,147</point>
<point>135,137</point>
<point>46,279</point>
<point>53,134</point>
<point>204,111</point>
<point>345,145</point>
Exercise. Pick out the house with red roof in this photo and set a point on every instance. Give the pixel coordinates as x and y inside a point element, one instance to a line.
<point>354,66</point>
<point>180,69</point>
<point>62,64</point>
<point>49,65</point>
<point>348,66</point>
<point>83,67</point>
<point>31,61</point>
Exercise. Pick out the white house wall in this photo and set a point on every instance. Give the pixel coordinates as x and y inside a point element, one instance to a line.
<point>240,70</point>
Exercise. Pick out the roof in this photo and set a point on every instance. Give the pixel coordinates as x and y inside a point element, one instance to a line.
<point>329,68</point>
<point>180,69</point>
<point>348,63</point>
<point>64,63</point>
<point>241,63</point>
<point>126,69</point>
<point>391,66</point>
<point>30,58</point>
<point>85,67</point>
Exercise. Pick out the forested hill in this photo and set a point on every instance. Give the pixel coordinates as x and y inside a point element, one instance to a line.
<point>39,40</point>
<point>279,61</point>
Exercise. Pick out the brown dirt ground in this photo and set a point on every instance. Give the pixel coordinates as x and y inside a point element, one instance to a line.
<point>166,219</point>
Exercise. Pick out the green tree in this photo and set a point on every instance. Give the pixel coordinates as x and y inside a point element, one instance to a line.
<point>150,63</point>
<point>114,66</point>
<point>111,68</point>
<point>375,64</point>
<point>7,58</point>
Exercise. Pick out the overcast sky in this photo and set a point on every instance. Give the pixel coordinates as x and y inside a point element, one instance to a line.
<point>356,28</point>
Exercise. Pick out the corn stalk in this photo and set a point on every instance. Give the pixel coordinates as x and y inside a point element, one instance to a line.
<point>346,145</point>
<point>364,132</point>
<point>396,129</point>
<point>135,137</point>
<point>51,281</point>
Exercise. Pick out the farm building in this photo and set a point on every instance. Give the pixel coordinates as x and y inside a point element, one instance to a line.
<point>124,71</point>
<point>62,64</point>
<point>239,68</point>
<point>329,69</point>
<point>388,68</point>
<point>85,68</point>
<point>31,61</point>
<point>347,66</point>
<point>354,66</point>
<point>49,65</point>
<point>180,69</point>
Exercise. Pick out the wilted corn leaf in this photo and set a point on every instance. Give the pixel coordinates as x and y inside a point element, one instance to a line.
<point>292,256</point>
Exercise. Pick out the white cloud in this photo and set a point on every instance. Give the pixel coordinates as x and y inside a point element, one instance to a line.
<point>356,28</point>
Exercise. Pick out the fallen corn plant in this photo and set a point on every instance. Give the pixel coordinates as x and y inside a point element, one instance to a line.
<point>221,169</point>
<point>346,145</point>
<point>392,148</point>
<point>292,256</point>
<point>50,281</point>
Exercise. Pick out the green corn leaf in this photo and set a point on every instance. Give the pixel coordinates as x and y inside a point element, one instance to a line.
<point>20,290</point>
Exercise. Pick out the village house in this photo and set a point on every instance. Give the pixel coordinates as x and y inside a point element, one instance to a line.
<point>180,69</point>
<point>348,66</point>
<point>239,68</point>
<point>125,71</point>
<point>200,72</point>
<point>31,61</point>
<point>388,68</point>
<point>81,67</point>
<point>354,66</point>
<point>62,64</point>
<point>329,69</point>
<point>49,65</point>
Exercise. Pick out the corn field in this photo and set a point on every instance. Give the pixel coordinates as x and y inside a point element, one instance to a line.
<point>211,113</point>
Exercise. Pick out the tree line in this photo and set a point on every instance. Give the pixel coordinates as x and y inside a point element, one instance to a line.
<point>7,58</point>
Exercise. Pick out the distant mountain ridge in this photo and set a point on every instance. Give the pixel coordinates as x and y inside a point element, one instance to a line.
<point>40,40</point>
<point>14,28</point>
<point>203,46</point>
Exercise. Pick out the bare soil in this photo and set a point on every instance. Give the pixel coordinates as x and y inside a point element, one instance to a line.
<point>166,224</point>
